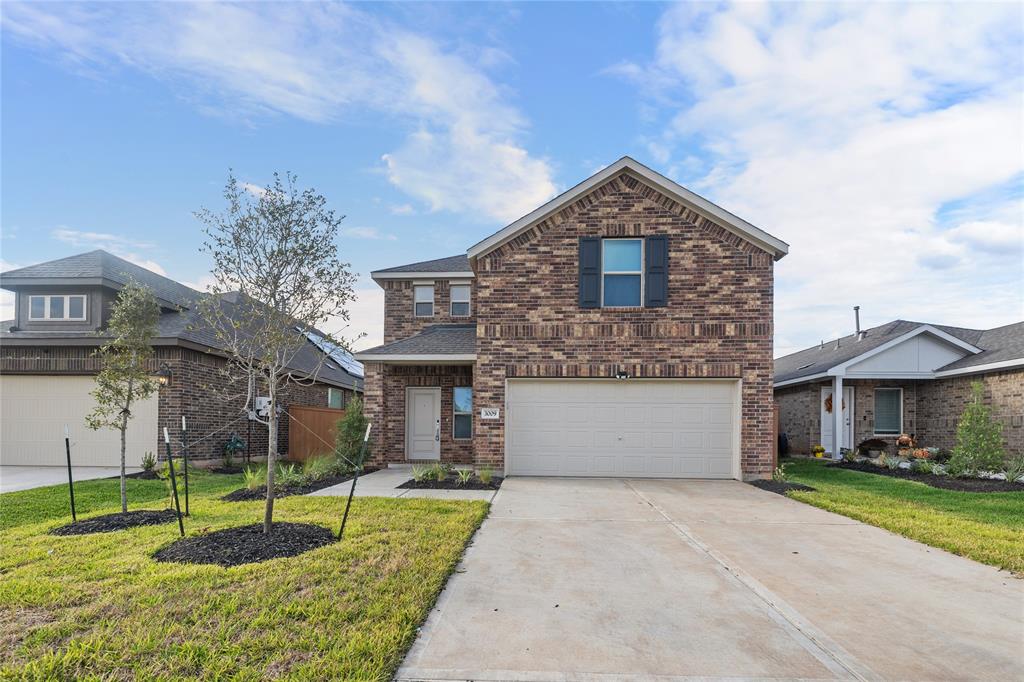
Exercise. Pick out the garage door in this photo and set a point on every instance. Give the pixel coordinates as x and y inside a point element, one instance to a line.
<point>34,409</point>
<point>641,428</point>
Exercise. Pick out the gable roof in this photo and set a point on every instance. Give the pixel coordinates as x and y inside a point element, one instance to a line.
<point>984,347</point>
<point>437,342</point>
<point>713,212</point>
<point>449,266</point>
<point>101,268</point>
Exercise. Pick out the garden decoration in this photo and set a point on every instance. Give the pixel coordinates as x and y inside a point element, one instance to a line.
<point>174,481</point>
<point>355,477</point>
<point>818,450</point>
<point>184,456</point>
<point>71,483</point>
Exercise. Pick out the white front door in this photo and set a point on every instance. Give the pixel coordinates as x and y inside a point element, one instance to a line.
<point>826,418</point>
<point>423,423</point>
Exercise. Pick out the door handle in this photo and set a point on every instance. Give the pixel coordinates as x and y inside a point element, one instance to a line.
<point>437,431</point>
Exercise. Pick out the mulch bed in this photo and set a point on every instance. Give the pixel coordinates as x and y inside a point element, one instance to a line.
<point>967,485</point>
<point>452,483</point>
<point>246,544</point>
<point>226,470</point>
<point>248,495</point>
<point>109,523</point>
<point>143,475</point>
<point>780,487</point>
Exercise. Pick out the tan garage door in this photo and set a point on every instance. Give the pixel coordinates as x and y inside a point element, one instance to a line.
<point>34,409</point>
<point>640,428</point>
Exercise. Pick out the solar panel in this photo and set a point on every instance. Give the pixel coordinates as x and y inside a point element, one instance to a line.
<point>338,354</point>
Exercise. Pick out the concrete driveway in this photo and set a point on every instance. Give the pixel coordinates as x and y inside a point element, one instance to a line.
<point>23,478</point>
<point>599,579</point>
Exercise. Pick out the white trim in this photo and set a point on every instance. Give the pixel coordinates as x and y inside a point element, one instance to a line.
<point>459,274</point>
<point>981,369</point>
<point>801,380</point>
<point>67,308</point>
<point>674,190</point>
<point>874,410</point>
<point>917,331</point>
<point>413,358</point>
<point>330,390</point>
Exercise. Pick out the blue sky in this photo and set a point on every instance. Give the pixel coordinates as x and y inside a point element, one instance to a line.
<point>883,142</point>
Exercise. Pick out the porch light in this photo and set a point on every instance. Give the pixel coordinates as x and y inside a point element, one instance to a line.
<point>163,375</point>
<point>622,375</point>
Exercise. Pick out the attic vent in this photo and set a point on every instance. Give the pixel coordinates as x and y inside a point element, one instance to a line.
<point>809,364</point>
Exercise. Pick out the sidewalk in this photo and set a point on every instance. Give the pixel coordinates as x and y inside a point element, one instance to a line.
<point>385,482</point>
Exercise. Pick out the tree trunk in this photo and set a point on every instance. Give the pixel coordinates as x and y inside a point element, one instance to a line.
<point>125,413</point>
<point>268,514</point>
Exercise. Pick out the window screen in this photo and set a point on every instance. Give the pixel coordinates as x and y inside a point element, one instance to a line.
<point>423,298</point>
<point>888,417</point>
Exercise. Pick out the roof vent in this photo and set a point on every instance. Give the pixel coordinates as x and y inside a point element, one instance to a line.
<point>809,364</point>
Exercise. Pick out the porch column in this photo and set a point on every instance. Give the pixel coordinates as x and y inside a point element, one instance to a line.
<point>837,416</point>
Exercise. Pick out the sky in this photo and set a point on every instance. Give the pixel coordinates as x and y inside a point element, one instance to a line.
<point>883,142</point>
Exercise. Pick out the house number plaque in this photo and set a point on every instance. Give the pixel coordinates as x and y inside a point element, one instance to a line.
<point>489,413</point>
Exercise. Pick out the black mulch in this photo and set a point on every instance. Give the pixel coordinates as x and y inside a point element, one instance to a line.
<point>109,523</point>
<point>144,475</point>
<point>967,485</point>
<point>246,544</point>
<point>226,470</point>
<point>780,487</point>
<point>452,483</point>
<point>248,495</point>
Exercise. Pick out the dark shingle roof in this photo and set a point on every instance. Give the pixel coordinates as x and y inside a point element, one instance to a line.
<point>99,265</point>
<point>438,339</point>
<point>1002,343</point>
<point>459,263</point>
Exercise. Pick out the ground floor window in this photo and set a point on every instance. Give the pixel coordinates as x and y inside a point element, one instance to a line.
<point>462,404</point>
<point>335,398</point>
<point>888,410</point>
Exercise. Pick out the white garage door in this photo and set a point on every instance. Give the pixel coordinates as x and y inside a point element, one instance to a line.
<point>642,428</point>
<point>34,410</point>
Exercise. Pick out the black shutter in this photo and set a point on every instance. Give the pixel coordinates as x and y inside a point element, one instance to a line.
<point>656,271</point>
<point>590,272</point>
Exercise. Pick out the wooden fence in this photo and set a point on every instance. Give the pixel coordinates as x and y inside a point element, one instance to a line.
<point>311,431</point>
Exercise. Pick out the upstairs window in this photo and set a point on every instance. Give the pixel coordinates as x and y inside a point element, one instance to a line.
<point>423,300</point>
<point>462,404</point>
<point>335,398</point>
<point>888,411</point>
<point>460,300</point>
<point>622,273</point>
<point>58,307</point>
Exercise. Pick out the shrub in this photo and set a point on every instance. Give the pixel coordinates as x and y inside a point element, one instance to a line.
<point>148,462</point>
<point>232,447</point>
<point>350,431</point>
<point>254,477</point>
<point>849,455</point>
<point>316,468</point>
<point>464,476</point>
<point>420,473</point>
<point>779,474</point>
<point>924,466</point>
<point>485,475</point>
<point>437,472</point>
<point>979,438</point>
<point>289,474</point>
<point>1014,468</point>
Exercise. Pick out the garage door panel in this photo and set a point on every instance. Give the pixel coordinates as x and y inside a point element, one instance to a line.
<point>655,428</point>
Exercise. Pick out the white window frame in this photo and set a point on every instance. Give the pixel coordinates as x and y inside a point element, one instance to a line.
<point>643,256</point>
<point>874,416</point>
<point>330,392</point>
<point>67,308</point>
<point>468,301</point>
<point>415,287</point>
<point>456,413</point>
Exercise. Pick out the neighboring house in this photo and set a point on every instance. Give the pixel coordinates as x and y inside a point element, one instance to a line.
<point>900,377</point>
<point>47,363</point>
<point>622,329</point>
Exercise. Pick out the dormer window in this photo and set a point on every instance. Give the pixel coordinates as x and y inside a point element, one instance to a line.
<point>58,307</point>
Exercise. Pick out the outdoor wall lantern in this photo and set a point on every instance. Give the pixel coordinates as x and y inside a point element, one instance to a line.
<point>621,375</point>
<point>163,376</point>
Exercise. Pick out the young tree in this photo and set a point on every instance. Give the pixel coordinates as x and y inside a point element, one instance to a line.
<point>124,378</point>
<point>979,438</point>
<point>277,276</point>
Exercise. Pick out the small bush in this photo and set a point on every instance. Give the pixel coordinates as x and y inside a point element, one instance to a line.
<point>289,474</point>
<point>316,468</point>
<point>979,438</point>
<point>779,474</point>
<point>893,463</point>
<point>485,475</point>
<point>232,447</point>
<point>420,473</point>
<point>849,455</point>
<point>148,462</point>
<point>437,472</point>
<point>464,476</point>
<point>923,466</point>
<point>254,477</point>
<point>351,430</point>
<point>1014,468</point>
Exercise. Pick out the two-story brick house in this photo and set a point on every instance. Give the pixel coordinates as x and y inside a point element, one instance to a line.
<point>622,329</point>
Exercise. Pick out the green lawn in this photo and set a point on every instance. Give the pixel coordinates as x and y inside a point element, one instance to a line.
<point>98,607</point>
<point>986,527</point>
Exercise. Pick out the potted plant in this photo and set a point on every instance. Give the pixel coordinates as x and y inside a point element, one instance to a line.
<point>818,451</point>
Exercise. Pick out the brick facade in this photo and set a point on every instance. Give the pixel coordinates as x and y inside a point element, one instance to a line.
<point>198,389</point>
<point>931,409</point>
<point>399,320</point>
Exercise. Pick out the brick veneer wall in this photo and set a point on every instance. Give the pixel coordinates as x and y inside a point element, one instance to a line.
<point>941,402</point>
<point>799,416</point>
<point>198,390</point>
<point>718,322</point>
<point>385,390</point>
<point>399,321</point>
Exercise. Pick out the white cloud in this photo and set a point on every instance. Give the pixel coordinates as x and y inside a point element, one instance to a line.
<point>367,233</point>
<point>254,190</point>
<point>125,247</point>
<point>366,316</point>
<point>317,62</point>
<point>402,209</point>
<point>847,130</point>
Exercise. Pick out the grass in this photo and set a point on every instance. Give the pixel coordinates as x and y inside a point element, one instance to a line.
<point>98,607</point>
<point>986,527</point>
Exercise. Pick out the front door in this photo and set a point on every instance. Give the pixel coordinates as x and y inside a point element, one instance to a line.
<point>423,423</point>
<point>827,405</point>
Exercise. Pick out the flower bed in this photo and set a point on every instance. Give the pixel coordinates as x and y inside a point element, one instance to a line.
<point>971,485</point>
<point>453,483</point>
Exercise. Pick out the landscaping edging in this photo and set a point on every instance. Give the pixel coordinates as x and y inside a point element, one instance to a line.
<point>250,494</point>
<point>780,487</point>
<point>246,544</point>
<point>967,485</point>
<point>452,483</point>
<point>110,523</point>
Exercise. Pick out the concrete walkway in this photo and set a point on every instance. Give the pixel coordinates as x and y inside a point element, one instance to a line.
<point>385,482</point>
<point>24,477</point>
<point>602,580</point>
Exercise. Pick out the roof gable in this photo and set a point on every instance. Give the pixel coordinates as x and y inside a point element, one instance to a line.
<point>670,189</point>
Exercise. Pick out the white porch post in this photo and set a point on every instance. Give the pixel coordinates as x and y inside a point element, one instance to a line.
<point>837,416</point>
